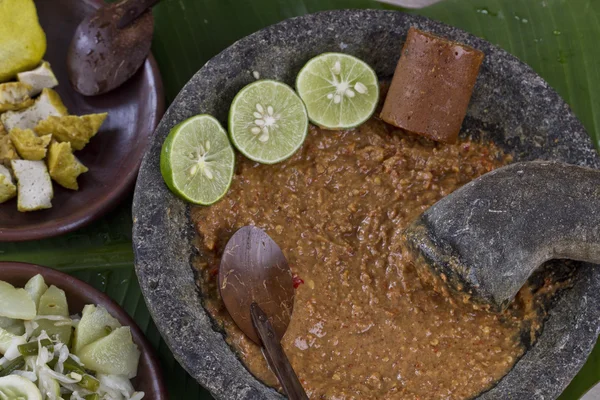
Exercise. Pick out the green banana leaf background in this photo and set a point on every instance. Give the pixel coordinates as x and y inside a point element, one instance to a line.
<point>558,38</point>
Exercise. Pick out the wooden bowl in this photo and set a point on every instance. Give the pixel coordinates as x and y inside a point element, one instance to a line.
<point>149,378</point>
<point>113,156</point>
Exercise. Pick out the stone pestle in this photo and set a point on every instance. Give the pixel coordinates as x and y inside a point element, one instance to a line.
<point>488,237</point>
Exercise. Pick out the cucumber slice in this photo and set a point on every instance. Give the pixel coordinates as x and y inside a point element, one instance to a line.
<point>115,354</point>
<point>54,302</point>
<point>15,303</point>
<point>36,287</point>
<point>95,324</point>
<point>49,387</point>
<point>15,387</point>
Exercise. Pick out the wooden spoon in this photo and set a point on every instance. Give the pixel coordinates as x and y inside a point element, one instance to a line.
<point>110,45</point>
<point>256,285</point>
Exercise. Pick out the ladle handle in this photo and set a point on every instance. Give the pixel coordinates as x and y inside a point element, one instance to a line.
<point>133,9</point>
<point>276,358</point>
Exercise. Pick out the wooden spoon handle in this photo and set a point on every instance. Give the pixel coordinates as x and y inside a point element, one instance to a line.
<point>276,358</point>
<point>133,9</point>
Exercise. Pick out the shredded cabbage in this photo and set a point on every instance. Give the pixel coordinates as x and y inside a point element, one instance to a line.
<point>32,376</point>
<point>13,351</point>
<point>118,383</point>
<point>30,327</point>
<point>76,396</point>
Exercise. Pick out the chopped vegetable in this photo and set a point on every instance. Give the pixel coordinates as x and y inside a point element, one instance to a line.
<point>93,324</point>
<point>7,339</point>
<point>8,190</point>
<point>15,303</point>
<point>38,79</point>
<point>11,325</point>
<point>114,354</point>
<point>54,303</point>
<point>35,190</point>
<point>71,128</point>
<point>19,388</point>
<point>64,166</point>
<point>15,364</point>
<point>14,96</point>
<point>36,287</point>
<point>41,354</point>
<point>32,348</point>
<point>46,105</point>
<point>29,145</point>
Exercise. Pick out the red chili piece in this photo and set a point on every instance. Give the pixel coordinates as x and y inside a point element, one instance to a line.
<point>297,281</point>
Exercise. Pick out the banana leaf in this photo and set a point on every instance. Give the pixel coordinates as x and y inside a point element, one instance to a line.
<point>556,37</point>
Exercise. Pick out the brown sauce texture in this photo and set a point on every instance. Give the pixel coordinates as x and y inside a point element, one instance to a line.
<point>364,325</point>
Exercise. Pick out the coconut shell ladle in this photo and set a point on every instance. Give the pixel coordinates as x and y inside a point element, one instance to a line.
<point>255,282</point>
<point>489,236</point>
<point>110,45</point>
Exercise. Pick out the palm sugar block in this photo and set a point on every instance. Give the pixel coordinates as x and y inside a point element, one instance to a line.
<point>432,86</point>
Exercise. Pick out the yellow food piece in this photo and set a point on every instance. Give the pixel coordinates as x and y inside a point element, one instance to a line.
<point>8,190</point>
<point>7,150</point>
<point>47,104</point>
<point>14,96</point>
<point>64,166</point>
<point>22,39</point>
<point>71,128</point>
<point>29,145</point>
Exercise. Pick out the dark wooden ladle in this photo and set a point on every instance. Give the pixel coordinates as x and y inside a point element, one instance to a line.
<point>256,285</point>
<point>110,45</point>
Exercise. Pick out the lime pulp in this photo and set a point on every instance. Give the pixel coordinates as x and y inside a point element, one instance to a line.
<point>267,121</point>
<point>340,91</point>
<point>197,160</point>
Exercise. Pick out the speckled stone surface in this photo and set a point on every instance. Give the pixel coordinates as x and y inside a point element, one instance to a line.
<point>489,236</point>
<point>511,105</point>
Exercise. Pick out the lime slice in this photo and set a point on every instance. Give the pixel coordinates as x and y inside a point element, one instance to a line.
<point>197,160</point>
<point>340,91</point>
<point>15,303</point>
<point>54,303</point>
<point>15,387</point>
<point>95,324</point>
<point>115,354</point>
<point>267,121</point>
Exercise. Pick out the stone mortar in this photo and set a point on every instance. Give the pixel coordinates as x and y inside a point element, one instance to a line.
<point>511,105</point>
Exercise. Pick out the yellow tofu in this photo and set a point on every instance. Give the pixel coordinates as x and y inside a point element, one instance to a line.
<point>14,96</point>
<point>8,190</point>
<point>7,150</point>
<point>77,130</point>
<point>64,167</point>
<point>29,145</point>
<point>48,103</point>
<point>38,79</point>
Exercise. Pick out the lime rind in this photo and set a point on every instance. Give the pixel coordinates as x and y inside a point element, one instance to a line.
<point>197,160</point>
<point>268,122</point>
<point>340,91</point>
